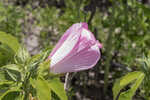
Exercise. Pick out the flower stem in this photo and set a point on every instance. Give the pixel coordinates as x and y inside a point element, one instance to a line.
<point>109,57</point>
<point>67,84</point>
<point>109,48</point>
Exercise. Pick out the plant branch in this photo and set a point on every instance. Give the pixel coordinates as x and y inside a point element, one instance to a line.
<point>67,84</point>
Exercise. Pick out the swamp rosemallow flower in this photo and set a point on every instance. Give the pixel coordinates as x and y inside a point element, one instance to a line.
<point>76,50</point>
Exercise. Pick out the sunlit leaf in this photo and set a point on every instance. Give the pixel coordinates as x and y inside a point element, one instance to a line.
<point>58,88</point>
<point>44,68</point>
<point>22,56</point>
<point>11,41</point>
<point>42,88</point>
<point>127,95</point>
<point>38,58</point>
<point>124,81</point>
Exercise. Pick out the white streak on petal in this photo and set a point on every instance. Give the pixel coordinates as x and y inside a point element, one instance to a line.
<point>83,60</point>
<point>65,49</point>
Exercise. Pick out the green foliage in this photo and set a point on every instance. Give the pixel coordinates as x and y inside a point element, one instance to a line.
<point>42,88</point>
<point>16,95</point>
<point>7,49</point>
<point>6,38</point>
<point>44,68</point>
<point>53,20</point>
<point>145,68</point>
<point>124,81</point>
<point>138,79</point>
<point>12,72</point>
<point>130,28</point>
<point>9,19</point>
<point>22,56</point>
<point>27,75</point>
<point>53,81</point>
<point>58,88</point>
<point>125,24</point>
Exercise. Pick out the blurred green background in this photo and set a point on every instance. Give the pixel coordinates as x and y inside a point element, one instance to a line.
<point>122,26</point>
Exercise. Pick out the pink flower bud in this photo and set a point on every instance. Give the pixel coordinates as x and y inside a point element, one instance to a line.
<point>76,50</point>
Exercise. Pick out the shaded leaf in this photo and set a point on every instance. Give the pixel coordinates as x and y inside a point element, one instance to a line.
<point>12,93</point>
<point>6,54</point>
<point>11,72</point>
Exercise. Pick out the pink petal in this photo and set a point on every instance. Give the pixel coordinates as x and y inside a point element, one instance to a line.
<point>87,34</point>
<point>69,41</point>
<point>84,25</point>
<point>85,41</point>
<point>85,59</point>
<point>65,48</point>
<point>76,50</point>
<point>72,30</point>
<point>99,44</point>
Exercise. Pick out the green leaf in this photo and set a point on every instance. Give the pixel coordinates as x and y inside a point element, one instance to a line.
<point>34,59</point>
<point>2,76</point>
<point>6,54</point>
<point>127,95</point>
<point>11,67</point>
<point>124,81</point>
<point>44,68</point>
<point>42,88</point>
<point>6,83</point>
<point>5,86</point>
<point>22,56</point>
<point>15,95</point>
<point>11,41</point>
<point>38,58</point>
<point>12,72</point>
<point>146,9</point>
<point>12,93</point>
<point>129,78</point>
<point>58,88</point>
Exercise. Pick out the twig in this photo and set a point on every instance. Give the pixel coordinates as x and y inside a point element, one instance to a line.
<point>67,84</point>
<point>121,66</point>
<point>93,11</point>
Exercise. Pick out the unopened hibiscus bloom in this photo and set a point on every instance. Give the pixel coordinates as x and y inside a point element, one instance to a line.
<point>76,50</point>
